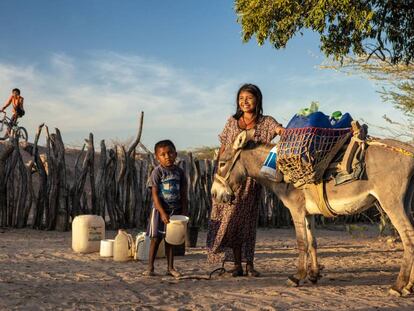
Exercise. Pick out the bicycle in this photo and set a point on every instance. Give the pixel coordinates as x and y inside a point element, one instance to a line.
<point>13,128</point>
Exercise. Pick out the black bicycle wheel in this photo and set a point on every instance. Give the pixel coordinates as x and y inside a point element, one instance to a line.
<point>22,134</point>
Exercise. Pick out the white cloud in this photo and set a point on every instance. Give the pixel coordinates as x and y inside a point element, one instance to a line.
<point>105,92</point>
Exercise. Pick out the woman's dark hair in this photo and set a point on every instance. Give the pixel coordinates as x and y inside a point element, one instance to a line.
<point>251,88</point>
<point>17,91</point>
<point>164,143</point>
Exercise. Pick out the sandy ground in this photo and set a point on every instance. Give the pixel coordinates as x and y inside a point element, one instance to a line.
<point>39,271</point>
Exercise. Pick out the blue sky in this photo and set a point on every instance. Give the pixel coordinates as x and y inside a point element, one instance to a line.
<point>92,65</point>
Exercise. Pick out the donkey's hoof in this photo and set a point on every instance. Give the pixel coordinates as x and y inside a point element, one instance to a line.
<point>292,281</point>
<point>313,279</point>
<point>405,292</point>
<point>408,289</point>
<point>394,292</point>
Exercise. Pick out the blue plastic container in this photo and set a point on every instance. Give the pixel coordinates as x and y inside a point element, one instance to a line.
<point>316,119</point>
<point>343,122</point>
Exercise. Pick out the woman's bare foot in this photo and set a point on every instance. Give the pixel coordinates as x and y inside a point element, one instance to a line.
<point>173,273</point>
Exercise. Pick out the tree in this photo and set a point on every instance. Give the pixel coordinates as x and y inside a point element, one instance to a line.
<point>372,27</point>
<point>397,80</point>
<point>397,86</point>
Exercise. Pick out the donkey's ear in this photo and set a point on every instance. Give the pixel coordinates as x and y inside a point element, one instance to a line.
<point>243,138</point>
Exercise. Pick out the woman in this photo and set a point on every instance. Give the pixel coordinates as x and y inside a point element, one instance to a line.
<point>232,227</point>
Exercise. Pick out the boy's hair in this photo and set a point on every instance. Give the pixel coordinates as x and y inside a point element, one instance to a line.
<point>16,90</point>
<point>164,143</point>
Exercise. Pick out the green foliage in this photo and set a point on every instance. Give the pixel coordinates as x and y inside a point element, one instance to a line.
<point>402,96</point>
<point>397,80</point>
<point>377,27</point>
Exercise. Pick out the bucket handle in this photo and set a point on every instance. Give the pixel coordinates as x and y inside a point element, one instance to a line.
<point>130,245</point>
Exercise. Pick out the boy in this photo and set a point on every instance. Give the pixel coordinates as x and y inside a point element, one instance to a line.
<point>169,196</point>
<point>17,101</point>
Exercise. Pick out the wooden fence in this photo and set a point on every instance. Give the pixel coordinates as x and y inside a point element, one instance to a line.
<point>46,193</point>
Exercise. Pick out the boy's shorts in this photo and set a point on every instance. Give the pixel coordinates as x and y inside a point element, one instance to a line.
<point>156,227</point>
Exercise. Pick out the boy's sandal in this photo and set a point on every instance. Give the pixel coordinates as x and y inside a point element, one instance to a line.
<point>174,273</point>
<point>148,273</point>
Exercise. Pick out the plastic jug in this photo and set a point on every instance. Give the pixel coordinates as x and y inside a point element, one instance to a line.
<point>123,246</point>
<point>87,233</point>
<point>268,169</point>
<point>176,230</point>
<point>107,248</point>
<point>142,247</point>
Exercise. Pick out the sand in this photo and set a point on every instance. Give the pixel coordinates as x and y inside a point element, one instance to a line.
<point>39,271</point>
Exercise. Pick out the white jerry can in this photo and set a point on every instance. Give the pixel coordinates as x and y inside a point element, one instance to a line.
<point>87,233</point>
<point>123,246</point>
<point>142,247</point>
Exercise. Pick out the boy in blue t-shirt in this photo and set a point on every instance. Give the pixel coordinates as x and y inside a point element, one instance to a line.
<point>169,196</point>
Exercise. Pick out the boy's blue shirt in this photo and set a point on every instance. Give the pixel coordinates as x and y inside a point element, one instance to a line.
<point>169,182</point>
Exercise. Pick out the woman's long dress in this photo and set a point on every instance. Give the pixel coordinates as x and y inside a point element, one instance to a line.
<point>234,224</point>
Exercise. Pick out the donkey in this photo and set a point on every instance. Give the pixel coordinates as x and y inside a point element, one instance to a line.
<point>388,183</point>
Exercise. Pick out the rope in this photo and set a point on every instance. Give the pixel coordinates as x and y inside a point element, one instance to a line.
<point>220,271</point>
<point>373,142</point>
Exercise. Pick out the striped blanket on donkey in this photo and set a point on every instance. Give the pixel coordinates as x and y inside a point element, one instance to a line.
<point>307,147</point>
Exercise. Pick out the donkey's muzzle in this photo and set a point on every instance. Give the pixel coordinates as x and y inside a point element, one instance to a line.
<point>219,193</point>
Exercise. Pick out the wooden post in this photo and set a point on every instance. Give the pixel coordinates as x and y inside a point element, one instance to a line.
<point>62,218</point>
<point>100,182</point>
<point>4,156</point>
<point>42,197</point>
<point>78,187</point>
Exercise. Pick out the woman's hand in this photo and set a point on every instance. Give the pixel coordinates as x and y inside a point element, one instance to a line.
<point>165,218</point>
<point>280,130</point>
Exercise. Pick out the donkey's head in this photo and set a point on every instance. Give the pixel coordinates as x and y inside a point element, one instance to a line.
<point>230,172</point>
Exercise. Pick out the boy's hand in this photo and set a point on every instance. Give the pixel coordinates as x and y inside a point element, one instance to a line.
<point>165,218</point>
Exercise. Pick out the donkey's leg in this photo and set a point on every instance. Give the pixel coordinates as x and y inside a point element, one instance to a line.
<point>300,230</point>
<point>408,289</point>
<point>314,274</point>
<point>394,207</point>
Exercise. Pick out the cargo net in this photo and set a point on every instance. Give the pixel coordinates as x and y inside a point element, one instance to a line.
<point>303,154</point>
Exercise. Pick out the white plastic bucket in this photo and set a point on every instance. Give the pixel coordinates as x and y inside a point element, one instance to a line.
<point>176,230</point>
<point>107,248</point>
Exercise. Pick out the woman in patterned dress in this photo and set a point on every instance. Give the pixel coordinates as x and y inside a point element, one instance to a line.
<point>232,226</point>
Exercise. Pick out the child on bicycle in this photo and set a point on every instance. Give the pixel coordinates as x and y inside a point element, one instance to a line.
<point>17,105</point>
<point>169,196</point>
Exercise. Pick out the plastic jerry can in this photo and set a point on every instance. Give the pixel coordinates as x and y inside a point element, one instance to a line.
<point>123,246</point>
<point>87,233</point>
<point>142,247</point>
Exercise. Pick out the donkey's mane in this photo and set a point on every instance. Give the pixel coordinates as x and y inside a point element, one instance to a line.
<point>253,145</point>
